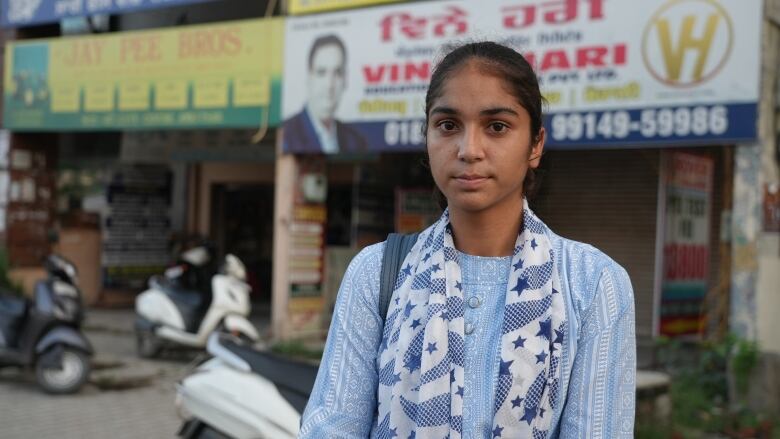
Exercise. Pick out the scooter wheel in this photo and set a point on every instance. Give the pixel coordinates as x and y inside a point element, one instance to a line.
<point>147,344</point>
<point>62,371</point>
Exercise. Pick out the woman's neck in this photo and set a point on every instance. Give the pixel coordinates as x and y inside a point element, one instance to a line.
<point>487,233</point>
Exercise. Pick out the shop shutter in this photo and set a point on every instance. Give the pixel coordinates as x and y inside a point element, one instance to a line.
<point>608,199</point>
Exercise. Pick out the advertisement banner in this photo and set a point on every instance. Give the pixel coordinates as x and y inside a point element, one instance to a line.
<point>614,73</point>
<point>205,76</point>
<point>136,225</point>
<point>17,13</point>
<point>688,187</point>
<point>307,247</point>
<point>297,7</point>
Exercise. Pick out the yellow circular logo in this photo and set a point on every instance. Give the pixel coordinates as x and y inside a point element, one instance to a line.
<point>687,42</point>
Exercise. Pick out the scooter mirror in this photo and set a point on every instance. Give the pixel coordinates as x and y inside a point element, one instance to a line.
<point>197,256</point>
<point>174,272</point>
<point>234,267</point>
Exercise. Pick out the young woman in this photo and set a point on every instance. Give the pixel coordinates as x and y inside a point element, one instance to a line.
<point>497,327</point>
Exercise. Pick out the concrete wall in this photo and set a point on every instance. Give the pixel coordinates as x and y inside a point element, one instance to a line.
<point>768,281</point>
<point>755,283</point>
<point>768,297</point>
<point>286,171</point>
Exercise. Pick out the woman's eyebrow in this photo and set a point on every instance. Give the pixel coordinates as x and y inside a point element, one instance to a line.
<point>444,110</point>
<point>498,110</point>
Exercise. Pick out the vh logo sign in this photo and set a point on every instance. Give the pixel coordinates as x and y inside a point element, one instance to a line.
<point>687,42</point>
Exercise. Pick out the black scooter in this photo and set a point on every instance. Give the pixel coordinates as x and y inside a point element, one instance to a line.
<point>44,333</point>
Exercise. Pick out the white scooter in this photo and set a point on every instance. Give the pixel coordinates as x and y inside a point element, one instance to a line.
<point>244,393</point>
<point>173,311</point>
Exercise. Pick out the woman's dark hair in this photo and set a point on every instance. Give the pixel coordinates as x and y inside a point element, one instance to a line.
<point>505,63</point>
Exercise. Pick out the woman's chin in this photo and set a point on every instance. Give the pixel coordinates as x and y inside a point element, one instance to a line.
<point>480,202</point>
<point>469,202</point>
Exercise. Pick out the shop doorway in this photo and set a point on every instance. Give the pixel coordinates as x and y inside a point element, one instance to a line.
<point>242,224</point>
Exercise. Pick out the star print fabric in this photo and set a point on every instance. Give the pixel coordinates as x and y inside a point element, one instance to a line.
<point>423,364</point>
<point>596,369</point>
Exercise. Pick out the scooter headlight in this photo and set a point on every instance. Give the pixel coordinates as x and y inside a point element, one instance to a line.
<point>66,309</point>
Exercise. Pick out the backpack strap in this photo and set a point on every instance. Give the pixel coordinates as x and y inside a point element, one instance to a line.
<point>397,247</point>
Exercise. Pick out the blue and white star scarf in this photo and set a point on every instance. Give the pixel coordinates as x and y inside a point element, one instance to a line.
<point>421,361</point>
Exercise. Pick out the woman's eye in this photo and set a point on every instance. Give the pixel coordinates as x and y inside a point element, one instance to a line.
<point>498,127</point>
<point>447,125</point>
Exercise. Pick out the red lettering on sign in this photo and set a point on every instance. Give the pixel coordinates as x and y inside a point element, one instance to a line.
<point>580,58</point>
<point>686,262</point>
<point>408,72</point>
<point>416,28</point>
<point>373,75</point>
<point>551,12</point>
<point>210,43</point>
<point>555,59</point>
<point>139,49</point>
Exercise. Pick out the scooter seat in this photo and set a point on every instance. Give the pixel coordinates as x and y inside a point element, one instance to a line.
<point>190,303</point>
<point>293,379</point>
<point>12,306</point>
<point>178,293</point>
<point>12,313</point>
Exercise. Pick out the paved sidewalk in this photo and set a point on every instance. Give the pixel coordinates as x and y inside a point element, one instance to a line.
<point>147,411</point>
<point>26,412</point>
<point>97,412</point>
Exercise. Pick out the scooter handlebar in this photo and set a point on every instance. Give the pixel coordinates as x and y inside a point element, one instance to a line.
<point>215,348</point>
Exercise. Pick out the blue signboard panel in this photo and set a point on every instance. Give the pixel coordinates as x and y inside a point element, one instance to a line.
<point>623,128</point>
<point>18,13</point>
<point>714,124</point>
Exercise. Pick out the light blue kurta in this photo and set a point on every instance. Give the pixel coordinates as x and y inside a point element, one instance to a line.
<point>599,361</point>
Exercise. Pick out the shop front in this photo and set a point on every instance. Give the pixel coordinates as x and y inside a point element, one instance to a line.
<point>642,128</point>
<point>156,136</point>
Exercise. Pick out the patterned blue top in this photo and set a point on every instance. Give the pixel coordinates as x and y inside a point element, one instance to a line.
<point>599,362</point>
<point>484,283</point>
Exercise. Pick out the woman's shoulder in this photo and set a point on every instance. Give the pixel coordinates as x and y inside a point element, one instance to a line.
<point>369,258</point>
<point>581,255</point>
<point>363,273</point>
<point>587,270</point>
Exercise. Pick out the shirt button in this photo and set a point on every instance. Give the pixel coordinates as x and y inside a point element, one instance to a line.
<point>469,328</point>
<point>474,302</point>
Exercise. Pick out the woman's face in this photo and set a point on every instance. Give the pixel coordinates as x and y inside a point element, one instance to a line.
<point>479,142</point>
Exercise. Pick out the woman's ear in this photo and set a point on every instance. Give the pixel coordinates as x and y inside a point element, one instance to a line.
<point>537,149</point>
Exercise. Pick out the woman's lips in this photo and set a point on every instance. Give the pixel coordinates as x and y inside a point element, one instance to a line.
<point>470,181</point>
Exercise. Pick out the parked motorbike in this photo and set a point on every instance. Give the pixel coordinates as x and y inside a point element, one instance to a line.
<point>44,333</point>
<point>244,392</point>
<point>185,305</point>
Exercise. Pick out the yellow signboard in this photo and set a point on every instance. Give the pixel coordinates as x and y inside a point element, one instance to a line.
<point>298,7</point>
<point>226,74</point>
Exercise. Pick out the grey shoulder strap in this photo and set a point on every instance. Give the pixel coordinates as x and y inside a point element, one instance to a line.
<point>397,247</point>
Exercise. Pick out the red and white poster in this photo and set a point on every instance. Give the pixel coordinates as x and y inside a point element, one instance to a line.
<point>686,256</point>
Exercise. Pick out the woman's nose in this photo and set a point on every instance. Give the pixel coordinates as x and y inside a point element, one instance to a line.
<point>471,147</point>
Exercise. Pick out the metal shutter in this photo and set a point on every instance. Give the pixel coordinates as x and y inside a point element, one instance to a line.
<point>607,199</point>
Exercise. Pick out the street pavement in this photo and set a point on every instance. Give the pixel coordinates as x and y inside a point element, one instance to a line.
<point>127,397</point>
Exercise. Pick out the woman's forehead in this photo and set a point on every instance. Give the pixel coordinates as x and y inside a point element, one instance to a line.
<point>475,81</point>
